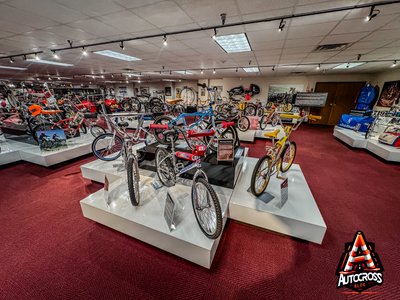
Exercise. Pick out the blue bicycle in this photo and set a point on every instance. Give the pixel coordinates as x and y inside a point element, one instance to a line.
<point>201,120</point>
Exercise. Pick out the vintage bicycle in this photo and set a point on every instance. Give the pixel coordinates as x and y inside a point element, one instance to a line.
<point>280,155</point>
<point>205,202</point>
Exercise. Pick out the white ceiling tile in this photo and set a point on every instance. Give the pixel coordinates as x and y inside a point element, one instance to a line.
<point>293,43</point>
<point>166,13</point>
<point>296,32</point>
<point>383,35</point>
<point>317,19</point>
<point>126,22</point>
<point>209,10</point>
<point>266,35</point>
<point>136,3</point>
<point>92,7</point>
<point>359,25</point>
<point>344,38</point>
<point>394,24</point>
<point>324,5</point>
<point>257,6</point>
<point>71,33</point>
<point>95,27</point>
<point>267,45</point>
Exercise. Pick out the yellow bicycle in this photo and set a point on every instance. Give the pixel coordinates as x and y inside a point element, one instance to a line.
<point>280,155</point>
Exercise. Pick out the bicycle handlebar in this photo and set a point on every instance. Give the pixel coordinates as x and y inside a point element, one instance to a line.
<point>314,118</point>
<point>159,126</point>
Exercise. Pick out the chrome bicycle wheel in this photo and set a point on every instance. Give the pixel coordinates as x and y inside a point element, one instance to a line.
<point>206,208</point>
<point>107,147</point>
<point>165,167</point>
<point>261,175</point>
<point>97,130</point>
<point>243,123</point>
<point>287,157</point>
<point>188,96</point>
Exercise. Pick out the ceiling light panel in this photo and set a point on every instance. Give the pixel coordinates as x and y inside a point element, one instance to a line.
<point>116,55</point>
<point>348,65</point>
<point>184,72</point>
<point>49,62</point>
<point>251,70</point>
<point>13,68</point>
<point>234,42</point>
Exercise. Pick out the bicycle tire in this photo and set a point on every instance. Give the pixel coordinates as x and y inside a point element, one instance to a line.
<point>83,128</point>
<point>243,124</point>
<point>170,178</point>
<point>250,110</point>
<point>178,109</point>
<point>291,145</point>
<point>217,208</point>
<point>188,95</point>
<point>260,112</point>
<point>259,163</point>
<point>263,123</point>
<point>287,107</point>
<point>156,109</point>
<point>132,170</point>
<point>96,130</point>
<point>102,157</point>
<point>135,105</point>
<point>158,133</point>
<point>224,133</point>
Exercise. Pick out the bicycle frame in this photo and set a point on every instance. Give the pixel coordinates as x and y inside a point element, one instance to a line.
<point>202,114</point>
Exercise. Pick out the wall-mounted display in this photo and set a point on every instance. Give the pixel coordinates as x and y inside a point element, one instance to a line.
<point>310,99</point>
<point>168,91</point>
<point>283,93</point>
<point>390,94</point>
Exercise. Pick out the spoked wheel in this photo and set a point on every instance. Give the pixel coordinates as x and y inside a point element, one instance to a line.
<point>221,133</point>
<point>97,130</point>
<point>287,156</point>
<point>287,107</point>
<point>165,168</point>
<point>156,109</point>
<point>107,147</point>
<point>83,128</point>
<point>263,122</point>
<point>133,179</point>
<point>250,110</point>
<point>188,96</point>
<point>243,123</point>
<point>206,208</point>
<point>261,175</point>
<point>43,127</point>
<point>178,109</point>
<point>135,105</point>
<point>158,133</point>
<point>260,112</point>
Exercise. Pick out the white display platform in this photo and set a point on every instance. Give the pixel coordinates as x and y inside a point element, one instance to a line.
<point>386,152</point>
<point>8,153</point>
<point>299,217</point>
<point>350,137</point>
<point>357,140</point>
<point>75,147</point>
<point>246,136</point>
<point>147,223</point>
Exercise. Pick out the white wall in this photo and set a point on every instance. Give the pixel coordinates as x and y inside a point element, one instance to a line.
<point>391,75</point>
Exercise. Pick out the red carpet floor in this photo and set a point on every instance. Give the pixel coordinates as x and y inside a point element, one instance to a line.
<point>50,251</point>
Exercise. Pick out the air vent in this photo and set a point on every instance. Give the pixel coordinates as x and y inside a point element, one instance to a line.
<point>297,72</point>
<point>331,47</point>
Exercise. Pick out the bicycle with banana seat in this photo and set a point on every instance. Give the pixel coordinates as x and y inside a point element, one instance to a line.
<point>279,156</point>
<point>205,202</point>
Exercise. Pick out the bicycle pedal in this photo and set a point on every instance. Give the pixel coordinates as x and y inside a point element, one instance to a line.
<point>180,165</point>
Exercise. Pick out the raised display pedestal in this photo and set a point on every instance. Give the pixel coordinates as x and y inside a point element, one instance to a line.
<point>146,222</point>
<point>246,136</point>
<point>350,137</point>
<point>31,153</point>
<point>299,217</point>
<point>386,152</point>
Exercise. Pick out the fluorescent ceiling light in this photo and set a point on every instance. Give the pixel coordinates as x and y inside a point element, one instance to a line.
<point>169,80</point>
<point>349,65</point>
<point>117,55</point>
<point>49,62</point>
<point>13,68</point>
<point>184,72</point>
<point>234,42</point>
<point>251,70</point>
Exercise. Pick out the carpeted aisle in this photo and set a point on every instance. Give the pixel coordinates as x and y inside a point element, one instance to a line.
<point>50,251</point>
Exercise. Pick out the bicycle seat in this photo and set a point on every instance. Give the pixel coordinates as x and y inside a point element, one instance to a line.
<point>90,115</point>
<point>272,134</point>
<point>173,101</point>
<point>123,124</point>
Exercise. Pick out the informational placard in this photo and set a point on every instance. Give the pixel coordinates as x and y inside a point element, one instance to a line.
<point>310,99</point>
<point>51,139</point>
<point>225,150</point>
<point>284,192</point>
<point>169,211</point>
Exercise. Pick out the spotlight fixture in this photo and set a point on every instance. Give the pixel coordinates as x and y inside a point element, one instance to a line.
<point>102,76</point>
<point>214,71</point>
<point>139,81</point>
<point>122,45</point>
<point>237,69</point>
<point>12,60</point>
<point>165,43</point>
<point>273,68</point>
<point>201,72</point>
<point>319,67</point>
<point>49,78</point>
<point>24,57</point>
<point>55,55</point>
<point>394,64</point>
<point>37,56</point>
<point>170,72</point>
<point>223,18</point>
<point>84,52</point>
<point>127,81</point>
<point>372,13</point>
<point>59,78</point>
<point>215,34</point>
<point>282,25</point>
<point>112,75</point>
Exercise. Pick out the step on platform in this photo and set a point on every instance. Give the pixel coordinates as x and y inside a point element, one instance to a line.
<point>146,222</point>
<point>19,150</point>
<point>350,137</point>
<point>299,216</point>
